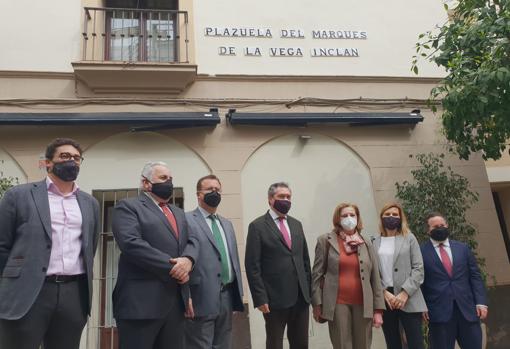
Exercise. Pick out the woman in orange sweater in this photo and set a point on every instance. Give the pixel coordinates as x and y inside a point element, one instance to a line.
<point>346,286</point>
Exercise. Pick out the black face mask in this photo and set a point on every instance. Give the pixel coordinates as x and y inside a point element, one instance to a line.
<point>439,234</point>
<point>163,190</point>
<point>212,199</point>
<point>66,170</point>
<point>391,223</point>
<point>282,206</point>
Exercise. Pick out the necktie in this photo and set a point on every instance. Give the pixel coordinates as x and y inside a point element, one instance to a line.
<point>284,231</point>
<point>220,243</point>
<point>447,263</point>
<point>170,217</point>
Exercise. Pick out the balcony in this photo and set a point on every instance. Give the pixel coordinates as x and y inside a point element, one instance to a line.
<point>135,51</point>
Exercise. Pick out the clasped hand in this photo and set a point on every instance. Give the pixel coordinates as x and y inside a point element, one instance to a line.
<point>181,269</point>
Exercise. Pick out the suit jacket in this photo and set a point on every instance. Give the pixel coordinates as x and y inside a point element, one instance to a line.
<point>407,270</point>
<point>465,287</point>
<point>327,253</point>
<point>144,288</point>
<point>205,281</point>
<point>276,274</point>
<point>25,245</point>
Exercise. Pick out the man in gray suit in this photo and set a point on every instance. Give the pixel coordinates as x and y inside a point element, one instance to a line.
<point>215,283</point>
<point>157,256</point>
<point>48,237</point>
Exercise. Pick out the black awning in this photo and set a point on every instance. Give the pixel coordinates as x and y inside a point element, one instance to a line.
<point>304,119</point>
<point>137,121</point>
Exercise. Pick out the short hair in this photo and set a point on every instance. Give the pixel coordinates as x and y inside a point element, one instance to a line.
<point>337,216</point>
<point>404,226</point>
<point>58,142</point>
<point>434,214</point>
<point>148,169</point>
<point>272,188</point>
<point>211,176</point>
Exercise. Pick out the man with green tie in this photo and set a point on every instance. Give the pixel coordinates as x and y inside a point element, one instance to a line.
<point>215,283</point>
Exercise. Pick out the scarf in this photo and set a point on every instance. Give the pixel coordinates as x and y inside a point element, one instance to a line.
<point>351,242</point>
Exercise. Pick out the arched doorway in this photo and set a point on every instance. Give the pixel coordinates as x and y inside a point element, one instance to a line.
<point>322,172</point>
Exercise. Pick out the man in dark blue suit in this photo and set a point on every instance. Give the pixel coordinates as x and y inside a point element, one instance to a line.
<point>453,289</point>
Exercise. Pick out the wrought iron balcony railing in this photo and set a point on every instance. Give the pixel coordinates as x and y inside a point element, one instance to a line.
<point>135,35</point>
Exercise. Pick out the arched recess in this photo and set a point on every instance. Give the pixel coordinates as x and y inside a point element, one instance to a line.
<point>10,168</point>
<point>116,163</point>
<point>111,171</point>
<point>322,172</point>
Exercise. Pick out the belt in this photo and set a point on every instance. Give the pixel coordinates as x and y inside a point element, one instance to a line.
<point>64,278</point>
<point>226,287</point>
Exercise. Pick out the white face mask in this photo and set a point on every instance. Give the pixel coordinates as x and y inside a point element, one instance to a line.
<point>349,223</point>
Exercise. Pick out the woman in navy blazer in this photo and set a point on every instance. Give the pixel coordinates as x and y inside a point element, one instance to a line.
<point>401,269</point>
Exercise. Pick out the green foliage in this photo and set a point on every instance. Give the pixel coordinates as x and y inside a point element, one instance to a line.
<point>437,188</point>
<point>474,49</point>
<point>6,183</point>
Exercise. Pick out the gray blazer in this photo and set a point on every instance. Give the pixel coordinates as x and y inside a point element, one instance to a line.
<point>25,245</point>
<point>407,270</point>
<point>205,282</point>
<point>327,249</point>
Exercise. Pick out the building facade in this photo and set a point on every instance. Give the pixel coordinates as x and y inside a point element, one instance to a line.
<point>316,93</point>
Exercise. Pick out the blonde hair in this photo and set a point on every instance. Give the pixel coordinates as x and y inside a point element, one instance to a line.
<point>337,216</point>
<point>404,227</point>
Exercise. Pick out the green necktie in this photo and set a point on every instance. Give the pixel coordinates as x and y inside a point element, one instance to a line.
<point>221,246</point>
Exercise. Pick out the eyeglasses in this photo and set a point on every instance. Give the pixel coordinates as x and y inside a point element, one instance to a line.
<point>68,156</point>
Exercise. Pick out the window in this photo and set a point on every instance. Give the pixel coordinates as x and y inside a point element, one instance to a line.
<point>141,30</point>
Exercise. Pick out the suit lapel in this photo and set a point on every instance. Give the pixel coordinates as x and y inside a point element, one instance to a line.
<point>456,255</point>
<point>436,259</point>
<point>205,228</point>
<point>86,214</point>
<point>147,202</point>
<point>399,241</point>
<point>228,235</point>
<point>274,229</point>
<point>40,196</point>
<point>333,241</point>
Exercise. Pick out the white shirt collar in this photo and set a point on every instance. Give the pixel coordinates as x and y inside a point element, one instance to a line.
<point>436,244</point>
<point>205,213</point>
<point>275,215</point>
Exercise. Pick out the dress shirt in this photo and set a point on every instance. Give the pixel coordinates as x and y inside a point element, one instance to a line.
<point>386,252</point>
<point>276,220</point>
<point>446,246</point>
<point>66,222</point>
<point>223,237</point>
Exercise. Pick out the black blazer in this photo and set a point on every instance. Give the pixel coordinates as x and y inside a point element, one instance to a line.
<point>144,288</point>
<point>25,245</point>
<point>276,274</point>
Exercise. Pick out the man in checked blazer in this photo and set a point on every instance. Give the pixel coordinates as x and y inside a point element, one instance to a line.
<point>49,232</point>
<point>156,258</point>
<point>215,283</point>
<point>278,271</point>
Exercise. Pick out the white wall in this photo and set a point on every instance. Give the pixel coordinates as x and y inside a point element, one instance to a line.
<point>116,163</point>
<point>322,173</point>
<point>392,26</point>
<point>40,35</point>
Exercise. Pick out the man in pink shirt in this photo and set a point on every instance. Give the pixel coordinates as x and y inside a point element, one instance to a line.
<point>48,237</point>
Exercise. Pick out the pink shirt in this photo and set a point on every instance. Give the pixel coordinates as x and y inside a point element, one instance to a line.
<point>65,257</point>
